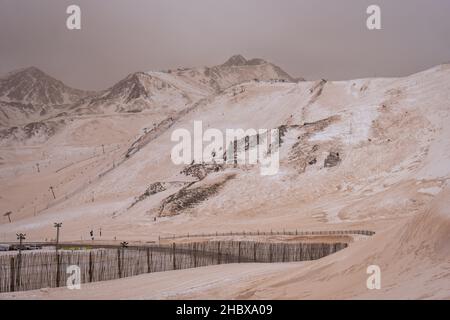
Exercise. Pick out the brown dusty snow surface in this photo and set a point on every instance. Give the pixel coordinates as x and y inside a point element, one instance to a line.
<point>393,178</point>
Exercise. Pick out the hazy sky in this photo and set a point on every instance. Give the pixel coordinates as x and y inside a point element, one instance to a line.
<point>309,38</point>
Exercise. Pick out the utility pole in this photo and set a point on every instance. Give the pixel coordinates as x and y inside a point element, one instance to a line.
<point>120,252</point>
<point>57,225</point>
<point>53,192</point>
<point>8,214</point>
<point>20,237</point>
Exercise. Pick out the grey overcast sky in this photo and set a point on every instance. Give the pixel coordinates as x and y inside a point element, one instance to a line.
<point>309,38</point>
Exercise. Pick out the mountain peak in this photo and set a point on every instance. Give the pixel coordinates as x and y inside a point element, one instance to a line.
<point>132,87</point>
<point>24,72</point>
<point>33,70</point>
<point>32,85</point>
<point>236,60</point>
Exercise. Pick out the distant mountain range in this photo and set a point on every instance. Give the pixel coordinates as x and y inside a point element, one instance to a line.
<point>30,95</point>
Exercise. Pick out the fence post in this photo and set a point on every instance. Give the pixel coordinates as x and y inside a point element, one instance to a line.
<point>173,255</point>
<point>19,263</point>
<point>148,261</point>
<point>195,255</point>
<point>91,263</point>
<point>57,269</point>
<point>12,280</point>
<point>218,252</point>
<point>239,252</point>
<point>119,264</point>
<point>254,252</point>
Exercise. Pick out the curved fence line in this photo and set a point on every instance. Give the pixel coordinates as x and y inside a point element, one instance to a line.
<point>272,233</point>
<point>41,269</point>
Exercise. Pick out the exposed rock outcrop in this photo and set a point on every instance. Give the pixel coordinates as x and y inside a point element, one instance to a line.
<point>189,197</point>
<point>332,160</point>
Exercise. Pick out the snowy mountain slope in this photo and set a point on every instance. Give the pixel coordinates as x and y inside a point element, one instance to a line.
<point>136,93</point>
<point>360,127</point>
<point>30,98</point>
<point>364,154</point>
<point>173,90</point>
<point>30,94</point>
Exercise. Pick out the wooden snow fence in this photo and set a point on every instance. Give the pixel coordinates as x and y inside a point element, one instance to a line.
<point>42,269</point>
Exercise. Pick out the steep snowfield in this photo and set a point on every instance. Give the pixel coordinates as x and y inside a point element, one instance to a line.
<point>389,145</point>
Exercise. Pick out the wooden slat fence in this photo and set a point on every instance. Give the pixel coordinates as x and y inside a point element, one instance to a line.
<point>41,269</point>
